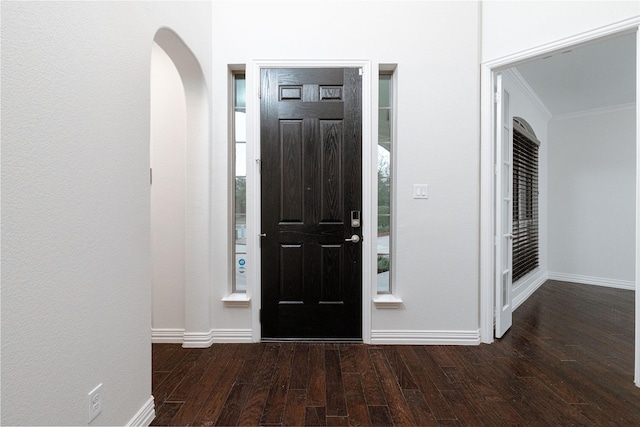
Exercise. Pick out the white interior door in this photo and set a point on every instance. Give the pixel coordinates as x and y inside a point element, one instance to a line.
<point>504,210</point>
<point>637,343</point>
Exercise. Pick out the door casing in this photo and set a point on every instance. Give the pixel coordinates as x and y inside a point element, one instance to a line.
<point>253,185</point>
<point>488,71</point>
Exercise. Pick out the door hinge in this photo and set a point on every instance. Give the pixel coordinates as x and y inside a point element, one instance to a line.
<point>360,71</point>
<point>495,169</point>
<point>497,97</point>
<point>259,92</point>
<point>259,163</point>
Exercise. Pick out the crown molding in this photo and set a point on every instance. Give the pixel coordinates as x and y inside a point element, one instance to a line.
<point>595,111</point>
<point>516,78</point>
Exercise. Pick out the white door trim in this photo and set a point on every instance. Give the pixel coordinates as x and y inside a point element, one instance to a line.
<point>253,186</point>
<point>637,276</point>
<point>487,154</point>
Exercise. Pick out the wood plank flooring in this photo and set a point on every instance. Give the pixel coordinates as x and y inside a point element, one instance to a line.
<point>568,360</point>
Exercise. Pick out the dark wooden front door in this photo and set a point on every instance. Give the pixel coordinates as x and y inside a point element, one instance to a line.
<point>311,138</point>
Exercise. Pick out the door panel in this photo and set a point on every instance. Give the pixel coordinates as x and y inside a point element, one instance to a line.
<point>504,211</point>
<point>311,136</point>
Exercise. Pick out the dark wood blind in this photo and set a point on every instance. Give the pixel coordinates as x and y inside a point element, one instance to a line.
<point>525,201</point>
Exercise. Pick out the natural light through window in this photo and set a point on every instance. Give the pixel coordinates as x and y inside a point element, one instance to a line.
<point>385,173</point>
<point>240,193</point>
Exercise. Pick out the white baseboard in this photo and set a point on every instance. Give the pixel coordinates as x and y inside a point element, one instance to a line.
<point>527,287</point>
<point>590,280</point>
<point>231,335</point>
<point>200,339</point>
<point>144,416</point>
<point>205,339</point>
<point>413,337</point>
<point>167,336</point>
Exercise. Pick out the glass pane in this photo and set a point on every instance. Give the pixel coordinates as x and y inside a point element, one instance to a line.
<point>504,253</point>
<point>240,191</point>
<point>505,290</point>
<point>384,91</point>
<point>240,89</point>
<point>506,175</point>
<point>241,272</point>
<point>384,181</point>
<point>505,217</point>
<point>241,199</point>
<point>241,159</point>
<point>240,220</point>
<point>506,146</point>
<point>384,226</point>
<point>383,244</point>
<point>384,184</point>
<point>383,273</point>
<point>384,126</point>
<point>240,128</point>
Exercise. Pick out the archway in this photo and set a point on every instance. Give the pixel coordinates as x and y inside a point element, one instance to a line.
<point>192,228</point>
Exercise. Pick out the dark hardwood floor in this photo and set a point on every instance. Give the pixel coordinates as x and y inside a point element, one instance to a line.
<point>567,360</point>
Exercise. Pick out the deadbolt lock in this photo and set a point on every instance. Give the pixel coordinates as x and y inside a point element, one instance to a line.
<point>355,219</point>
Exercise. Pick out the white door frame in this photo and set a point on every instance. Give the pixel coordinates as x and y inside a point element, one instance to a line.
<point>487,156</point>
<point>369,232</point>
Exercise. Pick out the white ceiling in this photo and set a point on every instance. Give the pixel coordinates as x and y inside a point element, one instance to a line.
<point>593,76</point>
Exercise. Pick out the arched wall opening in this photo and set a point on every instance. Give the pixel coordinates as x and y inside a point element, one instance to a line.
<point>168,136</point>
<point>180,194</point>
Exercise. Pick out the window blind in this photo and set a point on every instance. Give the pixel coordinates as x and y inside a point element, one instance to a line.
<point>525,199</point>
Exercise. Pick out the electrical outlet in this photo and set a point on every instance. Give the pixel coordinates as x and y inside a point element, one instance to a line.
<point>95,402</point>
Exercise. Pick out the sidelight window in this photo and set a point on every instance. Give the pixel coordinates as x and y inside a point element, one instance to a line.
<point>525,199</point>
<point>385,182</point>
<point>239,164</point>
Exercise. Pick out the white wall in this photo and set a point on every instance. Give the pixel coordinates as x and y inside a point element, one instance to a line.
<point>168,145</point>
<point>436,47</point>
<point>524,103</point>
<point>592,178</point>
<point>509,27</point>
<point>76,295</point>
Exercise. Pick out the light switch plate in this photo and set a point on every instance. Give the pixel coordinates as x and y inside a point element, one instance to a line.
<point>420,191</point>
